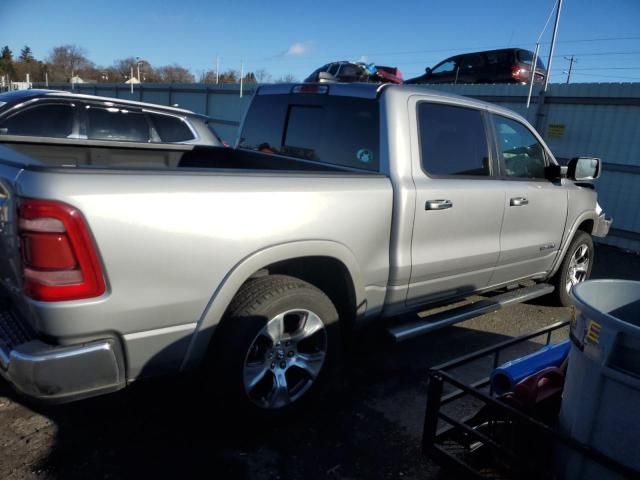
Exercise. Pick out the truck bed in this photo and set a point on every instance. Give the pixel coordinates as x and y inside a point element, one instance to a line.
<point>120,155</point>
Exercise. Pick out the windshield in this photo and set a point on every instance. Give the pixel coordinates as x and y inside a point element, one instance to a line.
<point>337,130</point>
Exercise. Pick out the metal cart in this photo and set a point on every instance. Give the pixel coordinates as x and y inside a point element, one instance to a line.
<point>496,441</point>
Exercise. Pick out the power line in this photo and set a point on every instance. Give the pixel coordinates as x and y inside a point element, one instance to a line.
<point>436,50</point>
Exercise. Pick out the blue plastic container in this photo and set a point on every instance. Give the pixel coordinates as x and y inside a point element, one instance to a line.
<point>601,398</point>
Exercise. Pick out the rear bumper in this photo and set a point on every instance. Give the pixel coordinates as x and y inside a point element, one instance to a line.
<point>58,373</point>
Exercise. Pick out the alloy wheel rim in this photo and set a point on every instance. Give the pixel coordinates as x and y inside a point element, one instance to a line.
<point>285,358</point>
<point>578,267</point>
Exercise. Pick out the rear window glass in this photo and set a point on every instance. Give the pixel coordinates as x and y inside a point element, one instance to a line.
<point>496,58</point>
<point>171,129</point>
<point>526,56</point>
<point>337,130</point>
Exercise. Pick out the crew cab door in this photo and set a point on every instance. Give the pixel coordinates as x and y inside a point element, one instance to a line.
<point>459,202</point>
<point>535,209</point>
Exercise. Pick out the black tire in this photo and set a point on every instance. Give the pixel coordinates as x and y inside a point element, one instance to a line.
<point>561,279</point>
<point>243,345</point>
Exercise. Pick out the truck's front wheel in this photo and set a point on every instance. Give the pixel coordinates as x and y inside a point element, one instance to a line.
<point>279,343</point>
<point>575,268</point>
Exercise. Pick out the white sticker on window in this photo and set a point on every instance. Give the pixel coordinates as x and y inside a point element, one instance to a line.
<point>364,155</point>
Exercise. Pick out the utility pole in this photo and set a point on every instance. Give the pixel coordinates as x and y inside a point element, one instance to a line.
<point>217,67</point>
<point>553,45</point>
<point>533,72</point>
<point>572,60</point>
<point>131,80</point>
<point>241,77</point>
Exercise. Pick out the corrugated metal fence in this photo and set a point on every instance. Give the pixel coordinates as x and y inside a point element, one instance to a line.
<point>601,120</point>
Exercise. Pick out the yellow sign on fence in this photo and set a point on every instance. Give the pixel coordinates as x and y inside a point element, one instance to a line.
<point>555,130</point>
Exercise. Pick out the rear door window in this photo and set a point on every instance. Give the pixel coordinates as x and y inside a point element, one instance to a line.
<point>116,124</point>
<point>48,120</point>
<point>171,129</point>
<point>522,155</point>
<point>453,141</point>
<point>337,130</point>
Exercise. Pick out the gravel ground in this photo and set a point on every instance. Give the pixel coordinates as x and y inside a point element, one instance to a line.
<point>370,430</point>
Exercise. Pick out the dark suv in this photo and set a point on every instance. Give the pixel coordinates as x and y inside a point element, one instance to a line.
<point>510,65</point>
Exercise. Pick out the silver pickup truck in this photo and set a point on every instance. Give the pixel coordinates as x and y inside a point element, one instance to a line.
<point>340,204</point>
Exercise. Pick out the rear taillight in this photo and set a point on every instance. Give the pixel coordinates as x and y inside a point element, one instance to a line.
<point>59,257</point>
<point>519,74</point>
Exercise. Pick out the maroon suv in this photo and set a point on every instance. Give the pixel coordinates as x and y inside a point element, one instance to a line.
<point>509,65</point>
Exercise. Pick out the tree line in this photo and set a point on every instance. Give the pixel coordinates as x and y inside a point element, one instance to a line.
<point>67,61</point>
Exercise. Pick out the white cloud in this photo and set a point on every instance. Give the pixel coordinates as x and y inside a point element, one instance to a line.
<point>297,49</point>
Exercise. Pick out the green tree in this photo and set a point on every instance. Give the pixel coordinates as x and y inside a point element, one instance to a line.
<point>26,55</point>
<point>250,78</point>
<point>6,62</point>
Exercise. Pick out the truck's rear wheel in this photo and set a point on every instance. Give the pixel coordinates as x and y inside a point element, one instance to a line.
<point>279,344</point>
<point>575,268</point>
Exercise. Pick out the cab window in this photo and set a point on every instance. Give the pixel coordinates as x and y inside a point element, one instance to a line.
<point>522,155</point>
<point>453,141</point>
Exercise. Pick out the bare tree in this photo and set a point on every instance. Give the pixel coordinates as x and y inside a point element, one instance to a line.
<point>124,68</point>
<point>66,61</point>
<point>208,77</point>
<point>230,76</point>
<point>175,74</point>
<point>262,76</point>
<point>288,78</point>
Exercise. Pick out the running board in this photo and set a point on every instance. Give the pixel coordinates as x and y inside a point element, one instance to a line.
<point>436,321</point>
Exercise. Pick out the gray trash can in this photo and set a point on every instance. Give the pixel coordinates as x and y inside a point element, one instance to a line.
<point>601,399</point>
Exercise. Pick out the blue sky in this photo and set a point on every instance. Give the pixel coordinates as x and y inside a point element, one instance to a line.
<point>284,36</point>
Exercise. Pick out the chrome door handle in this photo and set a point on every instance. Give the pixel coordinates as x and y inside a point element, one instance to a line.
<point>518,202</point>
<point>438,204</point>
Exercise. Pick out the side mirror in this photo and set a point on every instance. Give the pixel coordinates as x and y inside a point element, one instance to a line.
<point>427,71</point>
<point>584,169</point>
<point>326,77</point>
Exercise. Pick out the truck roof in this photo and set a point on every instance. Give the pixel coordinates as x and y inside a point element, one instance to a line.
<point>21,95</point>
<point>373,90</point>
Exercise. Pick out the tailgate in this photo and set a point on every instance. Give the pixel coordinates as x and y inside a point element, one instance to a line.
<point>10,268</point>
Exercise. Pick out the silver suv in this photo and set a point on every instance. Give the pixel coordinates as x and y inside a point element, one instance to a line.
<point>70,117</point>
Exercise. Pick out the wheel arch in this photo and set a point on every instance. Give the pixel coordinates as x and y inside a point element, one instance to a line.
<point>584,222</point>
<point>314,261</point>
